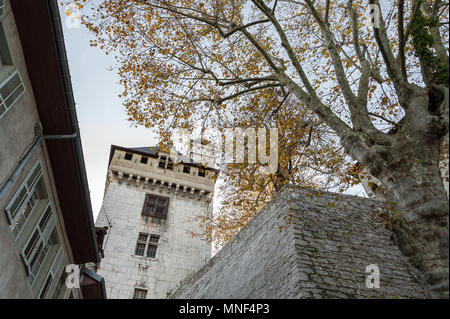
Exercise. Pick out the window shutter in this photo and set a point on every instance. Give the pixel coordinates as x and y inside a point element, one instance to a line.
<point>166,208</point>
<point>155,206</point>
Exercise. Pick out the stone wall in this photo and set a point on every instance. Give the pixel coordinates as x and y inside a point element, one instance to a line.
<point>326,243</point>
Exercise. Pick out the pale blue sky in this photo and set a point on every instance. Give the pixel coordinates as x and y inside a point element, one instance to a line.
<point>102,118</point>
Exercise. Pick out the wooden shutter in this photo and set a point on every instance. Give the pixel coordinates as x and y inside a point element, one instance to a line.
<point>149,205</point>
<point>155,206</point>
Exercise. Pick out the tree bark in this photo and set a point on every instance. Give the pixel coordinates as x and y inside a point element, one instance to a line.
<point>406,161</point>
<point>408,168</point>
<point>421,227</point>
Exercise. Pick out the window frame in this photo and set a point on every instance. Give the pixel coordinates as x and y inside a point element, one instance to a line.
<point>53,272</point>
<point>186,169</point>
<point>4,99</point>
<point>146,207</point>
<point>154,249</point>
<point>154,236</point>
<point>144,160</point>
<point>44,236</point>
<point>201,172</point>
<point>165,163</point>
<point>141,291</point>
<point>139,244</point>
<point>153,244</point>
<point>127,154</point>
<point>147,244</point>
<point>29,189</point>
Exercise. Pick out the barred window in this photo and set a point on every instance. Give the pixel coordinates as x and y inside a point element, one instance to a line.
<point>162,162</point>
<point>142,237</point>
<point>140,248</point>
<point>151,251</point>
<point>154,239</point>
<point>169,164</point>
<point>147,241</point>
<point>165,162</point>
<point>155,206</point>
<point>139,293</point>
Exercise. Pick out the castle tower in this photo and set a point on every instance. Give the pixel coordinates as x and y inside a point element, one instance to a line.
<point>151,208</point>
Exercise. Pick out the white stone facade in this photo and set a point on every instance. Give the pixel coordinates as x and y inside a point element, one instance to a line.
<point>178,253</point>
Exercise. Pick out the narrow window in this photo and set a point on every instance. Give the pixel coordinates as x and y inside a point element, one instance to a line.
<point>140,248</point>
<point>11,84</point>
<point>149,242</point>
<point>33,223</point>
<point>128,156</point>
<point>186,169</point>
<point>10,91</point>
<point>154,239</point>
<point>152,246</point>
<point>60,287</point>
<point>151,251</point>
<point>44,290</point>
<point>169,164</point>
<point>165,162</point>
<point>141,243</point>
<point>142,237</point>
<point>144,160</point>
<point>162,162</point>
<point>139,293</point>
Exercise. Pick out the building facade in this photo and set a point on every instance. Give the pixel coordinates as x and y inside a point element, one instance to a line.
<point>46,221</point>
<point>152,207</point>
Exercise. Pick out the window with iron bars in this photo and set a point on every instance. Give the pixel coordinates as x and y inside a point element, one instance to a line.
<point>140,245</point>
<point>165,162</point>
<point>149,242</point>
<point>139,293</point>
<point>155,206</point>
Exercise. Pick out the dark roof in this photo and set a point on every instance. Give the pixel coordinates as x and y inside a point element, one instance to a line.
<point>150,150</point>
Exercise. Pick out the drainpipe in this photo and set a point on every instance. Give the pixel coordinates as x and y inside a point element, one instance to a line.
<point>12,178</point>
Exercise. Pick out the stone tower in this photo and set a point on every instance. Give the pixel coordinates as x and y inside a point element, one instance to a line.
<point>151,207</point>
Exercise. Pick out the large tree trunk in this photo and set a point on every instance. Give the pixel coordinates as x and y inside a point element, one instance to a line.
<point>406,161</point>
<point>420,219</point>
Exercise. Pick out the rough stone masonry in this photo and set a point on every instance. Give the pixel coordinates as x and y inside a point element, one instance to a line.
<point>325,243</point>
